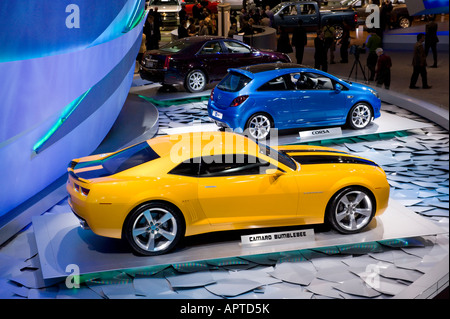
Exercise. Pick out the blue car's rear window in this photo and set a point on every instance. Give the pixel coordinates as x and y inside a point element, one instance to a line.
<point>233,82</point>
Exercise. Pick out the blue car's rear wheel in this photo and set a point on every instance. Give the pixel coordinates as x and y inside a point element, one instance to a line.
<point>154,228</point>
<point>259,126</point>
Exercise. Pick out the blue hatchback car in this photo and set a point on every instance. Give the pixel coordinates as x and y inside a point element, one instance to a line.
<point>261,97</point>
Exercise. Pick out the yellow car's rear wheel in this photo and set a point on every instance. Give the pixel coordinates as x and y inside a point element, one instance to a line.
<point>351,210</point>
<point>154,228</point>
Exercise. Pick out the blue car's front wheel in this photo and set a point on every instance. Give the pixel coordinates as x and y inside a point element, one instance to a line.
<point>360,116</point>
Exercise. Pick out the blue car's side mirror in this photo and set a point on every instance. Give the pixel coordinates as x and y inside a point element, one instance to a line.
<point>338,88</point>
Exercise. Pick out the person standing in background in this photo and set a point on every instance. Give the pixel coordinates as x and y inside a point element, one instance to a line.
<point>385,16</point>
<point>419,64</point>
<point>149,31</point>
<point>383,71</point>
<point>284,44</point>
<point>431,39</point>
<point>345,42</point>
<point>320,53</point>
<point>373,42</point>
<point>182,30</point>
<point>196,12</point>
<point>158,24</point>
<point>329,34</point>
<point>269,14</point>
<point>299,41</point>
<point>182,13</point>
<point>203,29</point>
<point>192,29</point>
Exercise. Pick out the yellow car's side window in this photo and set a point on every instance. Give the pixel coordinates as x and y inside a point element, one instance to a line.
<point>222,165</point>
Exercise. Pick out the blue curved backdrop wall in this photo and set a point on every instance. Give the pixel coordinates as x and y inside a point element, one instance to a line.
<point>65,71</point>
<point>420,7</point>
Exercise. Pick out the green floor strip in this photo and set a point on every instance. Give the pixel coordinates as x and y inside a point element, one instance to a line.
<point>167,103</point>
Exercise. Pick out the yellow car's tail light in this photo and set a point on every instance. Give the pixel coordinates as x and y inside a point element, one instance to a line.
<point>83,191</point>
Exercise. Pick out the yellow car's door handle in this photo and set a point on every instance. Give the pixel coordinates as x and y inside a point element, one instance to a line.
<point>210,186</point>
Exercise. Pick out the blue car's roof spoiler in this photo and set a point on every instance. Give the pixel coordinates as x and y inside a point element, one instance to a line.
<point>242,71</point>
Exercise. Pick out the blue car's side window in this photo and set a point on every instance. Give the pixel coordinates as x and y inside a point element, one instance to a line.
<point>312,81</point>
<point>277,84</point>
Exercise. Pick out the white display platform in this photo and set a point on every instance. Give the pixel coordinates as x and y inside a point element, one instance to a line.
<point>387,122</point>
<point>61,242</point>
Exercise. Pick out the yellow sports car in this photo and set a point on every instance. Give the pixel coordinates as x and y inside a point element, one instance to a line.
<point>156,192</point>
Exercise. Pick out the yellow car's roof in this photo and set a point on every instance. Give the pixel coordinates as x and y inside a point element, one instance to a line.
<point>196,144</point>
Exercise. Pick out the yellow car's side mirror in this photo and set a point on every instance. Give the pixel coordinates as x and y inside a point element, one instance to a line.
<point>275,172</point>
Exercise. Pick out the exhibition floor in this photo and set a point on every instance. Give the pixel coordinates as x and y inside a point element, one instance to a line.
<point>38,262</point>
<point>404,254</point>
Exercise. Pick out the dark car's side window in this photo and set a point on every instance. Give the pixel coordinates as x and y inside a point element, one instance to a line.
<point>290,10</point>
<point>277,84</point>
<point>234,47</point>
<point>211,47</point>
<point>306,9</point>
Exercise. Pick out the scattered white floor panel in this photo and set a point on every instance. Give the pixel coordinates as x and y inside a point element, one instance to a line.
<point>388,122</point>
<point>61,242</point>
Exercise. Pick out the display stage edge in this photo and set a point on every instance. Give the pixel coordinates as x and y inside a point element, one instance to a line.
<point>61,242</point>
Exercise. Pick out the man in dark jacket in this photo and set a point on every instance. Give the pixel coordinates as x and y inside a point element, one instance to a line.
<point>320,54</point>
<point>182,30</point>
<point>345,42</point>
<point>299,40</point>
<point>431,39</point>
<point>196,12</point>
<point>151,42</point>
<point>419,64</point>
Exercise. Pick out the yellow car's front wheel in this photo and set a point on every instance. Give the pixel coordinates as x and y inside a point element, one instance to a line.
<point>154,228</point>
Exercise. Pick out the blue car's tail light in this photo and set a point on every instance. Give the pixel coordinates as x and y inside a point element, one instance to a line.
<point>239,100</point>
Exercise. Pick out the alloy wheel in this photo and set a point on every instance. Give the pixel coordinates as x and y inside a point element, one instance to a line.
<point>196,81</point>
<point>259,126</point>
<point>353,211</point>
<point>360,116</point>
<point>404,22</point>
<point>154,229</point>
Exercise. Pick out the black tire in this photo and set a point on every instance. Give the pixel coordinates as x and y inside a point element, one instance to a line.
<point>195,81</point>
<point>404,22</point>
<point>259,131</point>
<point>351,209</point>
<point>360,116</point>
<point>154,228</point>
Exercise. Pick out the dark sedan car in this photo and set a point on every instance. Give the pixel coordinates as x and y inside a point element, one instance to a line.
<point>197,61</point>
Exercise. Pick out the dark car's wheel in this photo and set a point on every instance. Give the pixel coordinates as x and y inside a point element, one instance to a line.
<point>360,116</point>
<point>258,126</point>
<point>404,22</point>
<point>195,81</point>
<point>351,210</point>
<point>154,229</point>
<point>339,31</point>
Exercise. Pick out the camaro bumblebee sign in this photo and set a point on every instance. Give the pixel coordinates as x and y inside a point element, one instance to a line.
<point>274,238</point>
